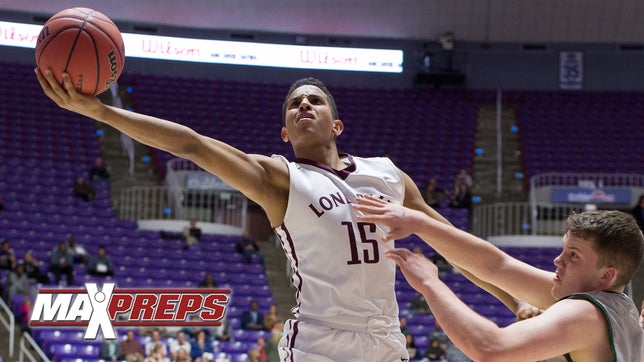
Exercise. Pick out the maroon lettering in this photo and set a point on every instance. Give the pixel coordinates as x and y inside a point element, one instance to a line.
<point>325,203</point>
<point>339,199</point>
<point>167,47</point>
<point>314,57</point>
<point>316,211</point>
<point>13,34</point>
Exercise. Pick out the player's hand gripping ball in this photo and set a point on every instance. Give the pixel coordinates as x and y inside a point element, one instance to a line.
<point>85,44</point>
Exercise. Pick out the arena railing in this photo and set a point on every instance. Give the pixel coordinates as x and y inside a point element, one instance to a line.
<point>189,193</point>
<point>171,203</point>
<point>520,218</point>
<point>8,320</point>
<point>29,346</point>
<point>599,179</point>
<point>541,216</point>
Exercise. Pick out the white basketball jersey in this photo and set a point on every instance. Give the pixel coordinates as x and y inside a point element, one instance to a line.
<point>339,267</point>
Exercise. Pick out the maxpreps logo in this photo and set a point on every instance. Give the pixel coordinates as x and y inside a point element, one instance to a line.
<point>110,307</point>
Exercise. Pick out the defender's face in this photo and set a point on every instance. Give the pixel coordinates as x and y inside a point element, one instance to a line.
<point>577,268</point>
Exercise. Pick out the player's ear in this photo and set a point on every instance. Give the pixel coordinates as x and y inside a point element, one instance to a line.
<point>338,127</point>
<point>284,134</point>
<point>609,277</point>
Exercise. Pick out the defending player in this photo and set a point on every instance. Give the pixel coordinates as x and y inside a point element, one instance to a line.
<point>587,316</point>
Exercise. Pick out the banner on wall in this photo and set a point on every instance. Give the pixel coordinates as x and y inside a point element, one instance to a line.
<point>233,52</point>
<point>201,180</point>
<point>583,195</point>
<point>571,70</point>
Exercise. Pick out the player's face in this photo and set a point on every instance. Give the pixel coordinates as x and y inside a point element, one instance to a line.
<point>577,268</point>
<point>309,119</point>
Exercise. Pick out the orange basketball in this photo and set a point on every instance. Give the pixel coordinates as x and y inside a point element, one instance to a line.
<point>84,43</point>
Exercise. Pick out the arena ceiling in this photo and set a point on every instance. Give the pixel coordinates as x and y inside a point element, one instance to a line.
<point>597,21</point>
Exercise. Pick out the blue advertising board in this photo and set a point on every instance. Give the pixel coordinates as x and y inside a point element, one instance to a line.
<point>582,195</point>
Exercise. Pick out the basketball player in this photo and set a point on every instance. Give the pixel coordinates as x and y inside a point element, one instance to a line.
<point>586,317</point>
<point>346,306</point>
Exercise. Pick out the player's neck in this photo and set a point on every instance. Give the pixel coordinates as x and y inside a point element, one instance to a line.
<point>326,156</point>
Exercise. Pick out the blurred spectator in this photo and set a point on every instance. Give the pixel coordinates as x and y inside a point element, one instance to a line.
<point>249,248</point>
<point>62,263</point>
<point>18,281</point>
<point>157,354</point>
<point>252,318</point>
<point>170,332</point>
<point>7,257</point>
<point>435,352</point>
<point>149,330</point>
<point>253,355</point>
<point>109,349</point>
<point>26,308</point>
<point>192,332</point>
<point>223,332</point>
<point>180,343</point>
<point>272,345</point>
<point>100,264</point>
<point>404,329</point>
<point>201,345</point>
<point>182,356</point>
<point>272,316</point>
<point>431,194</point>
<point>131,349</point>
<point>155,349</point>
<point>464,178</point>
<point>32,268</point>
<point>454,190</point>
<point>1,204</point>
<point>208,282</point>
<point>441,263</point>
<point>462,199</point>
<point>418,304</point>
<point>191,234</point>
<point>99,170</point>
<point>79,254</point>
<point>410,344</point>
<point>84,190</point>
<point>638,212</point>
<point>261,349</point>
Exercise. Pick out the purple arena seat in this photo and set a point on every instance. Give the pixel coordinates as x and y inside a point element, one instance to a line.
<point>62,350</point>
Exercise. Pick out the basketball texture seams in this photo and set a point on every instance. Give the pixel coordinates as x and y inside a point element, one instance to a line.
<point>84,43</point>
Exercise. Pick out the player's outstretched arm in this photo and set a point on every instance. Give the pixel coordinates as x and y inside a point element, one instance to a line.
<point>559,330</point>
<point>261,178</point>
<point>414,200</point>
<point>482,259</point>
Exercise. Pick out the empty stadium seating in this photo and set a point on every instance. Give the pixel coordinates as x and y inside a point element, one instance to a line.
<point>581,132</point>
<point>428,134</point>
